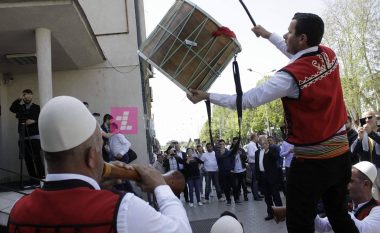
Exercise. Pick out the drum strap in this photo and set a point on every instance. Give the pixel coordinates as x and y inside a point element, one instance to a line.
<point>239,105</point>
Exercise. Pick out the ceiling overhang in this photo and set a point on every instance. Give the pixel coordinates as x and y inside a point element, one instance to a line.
<point>73,42</point>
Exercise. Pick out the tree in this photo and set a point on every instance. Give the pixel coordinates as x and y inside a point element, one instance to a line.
<point>225,125</point>
<point>353,31</point>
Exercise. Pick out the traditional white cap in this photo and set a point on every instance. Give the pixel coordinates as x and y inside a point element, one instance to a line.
<point>226,224</point>
<point>64,123</point>
<point>368,169</point>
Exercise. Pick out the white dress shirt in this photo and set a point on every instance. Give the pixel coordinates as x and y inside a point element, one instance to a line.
<point>179,154</point>
<point>261,159</point>
<point>238,166</point>
<point>119,144</point>
<point>251,150</point>
<point>136,215</point>
<point>369,224</point>
<point>281,84</point>
<point>209,161</point>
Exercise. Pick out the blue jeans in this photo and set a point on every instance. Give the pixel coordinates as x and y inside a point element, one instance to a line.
<point>194,183</point>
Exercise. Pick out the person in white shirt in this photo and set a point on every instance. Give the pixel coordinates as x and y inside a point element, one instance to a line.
<point>71,198</point>
<point>251,150</point>
<point>211,167</point>
<point>119,145</point>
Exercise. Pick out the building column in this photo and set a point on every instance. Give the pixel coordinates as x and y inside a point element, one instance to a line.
<point>43,47</point>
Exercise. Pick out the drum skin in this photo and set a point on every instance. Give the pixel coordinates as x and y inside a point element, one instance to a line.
<point>183,48</point>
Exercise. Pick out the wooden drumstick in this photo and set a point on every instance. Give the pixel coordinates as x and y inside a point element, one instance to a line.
<point>248,13</point>
<point>174,179</point>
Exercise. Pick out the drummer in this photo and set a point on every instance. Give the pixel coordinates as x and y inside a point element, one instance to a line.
<point>71,197</point>
<point>310,89</point>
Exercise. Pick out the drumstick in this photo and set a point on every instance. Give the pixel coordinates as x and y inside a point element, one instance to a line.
<point>249,14</point>
<point>174,179</point>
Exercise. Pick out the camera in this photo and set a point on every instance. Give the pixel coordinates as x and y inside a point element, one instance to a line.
<point>362,121</point>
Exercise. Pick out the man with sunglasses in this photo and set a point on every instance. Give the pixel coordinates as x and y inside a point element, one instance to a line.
<point>368,146</point>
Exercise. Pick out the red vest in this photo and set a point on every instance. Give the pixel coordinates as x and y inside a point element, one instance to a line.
<point>319,112</point>
<point>79,209</point>
<point>363,212</point>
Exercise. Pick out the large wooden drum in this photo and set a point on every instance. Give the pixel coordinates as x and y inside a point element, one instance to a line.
<point>183,48</point>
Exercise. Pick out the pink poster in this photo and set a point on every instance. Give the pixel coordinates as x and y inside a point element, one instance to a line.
<point>125,118</point>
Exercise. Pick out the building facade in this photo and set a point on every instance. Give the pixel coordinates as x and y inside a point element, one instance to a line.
<point>82,48</point>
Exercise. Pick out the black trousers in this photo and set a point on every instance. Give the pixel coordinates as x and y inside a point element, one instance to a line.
<point>271,192</point>
<point>240,182</point>
<point>32,157</point>
<point>226,181</point>
<point>312,179</point>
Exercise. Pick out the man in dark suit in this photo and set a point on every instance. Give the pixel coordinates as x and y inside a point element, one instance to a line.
<point>27,114</point>
<point>175,162</point>
<point>182,155</point>
<point>267,173</point>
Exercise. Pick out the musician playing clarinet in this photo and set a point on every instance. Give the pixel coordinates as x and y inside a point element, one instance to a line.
<point>71,199</point>
<point>315,115</point>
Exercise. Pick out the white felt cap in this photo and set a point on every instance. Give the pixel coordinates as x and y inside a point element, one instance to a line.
<point>226,224</point>
<point>368,169</point>
<point>64,123</point>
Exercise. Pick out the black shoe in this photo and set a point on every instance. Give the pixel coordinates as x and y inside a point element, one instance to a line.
<point>237,202</point>
<point>245,198</point>
<point>229,202</point>
<point>257,199</point>
<point>260,196</point>
<point>269,217</point>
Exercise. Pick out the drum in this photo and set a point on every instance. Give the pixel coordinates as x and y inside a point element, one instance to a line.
<point>184,49</point>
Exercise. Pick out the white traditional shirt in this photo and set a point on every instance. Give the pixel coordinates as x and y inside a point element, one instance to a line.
<point>369,224</point>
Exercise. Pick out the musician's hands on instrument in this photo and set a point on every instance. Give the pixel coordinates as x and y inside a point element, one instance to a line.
<point>150,177</point>
<point>261,31</point>
<point>108,183</point>
<point>196,96</point>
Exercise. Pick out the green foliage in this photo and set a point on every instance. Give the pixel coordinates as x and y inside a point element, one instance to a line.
<point>225,124</point>
<point>353,31</point>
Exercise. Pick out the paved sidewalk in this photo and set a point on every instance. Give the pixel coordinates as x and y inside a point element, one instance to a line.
<point>251,213</point>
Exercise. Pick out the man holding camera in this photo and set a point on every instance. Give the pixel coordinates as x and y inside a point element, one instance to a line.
<point>367,145</point>
<point>29,139</point>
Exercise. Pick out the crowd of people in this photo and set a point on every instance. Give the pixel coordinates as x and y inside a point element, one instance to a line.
<point>215,167</point>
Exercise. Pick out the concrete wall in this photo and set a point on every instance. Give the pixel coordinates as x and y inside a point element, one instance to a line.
<point>116,82</point>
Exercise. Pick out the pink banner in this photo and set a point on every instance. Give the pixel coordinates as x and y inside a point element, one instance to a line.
<point>126,119</point>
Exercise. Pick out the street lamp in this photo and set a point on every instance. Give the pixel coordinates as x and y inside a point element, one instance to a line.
<point>265,105</point>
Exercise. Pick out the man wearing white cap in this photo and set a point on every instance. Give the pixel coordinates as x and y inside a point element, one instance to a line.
<point>71,198</point>
<point>227,223</point>
<point>366,210</point>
